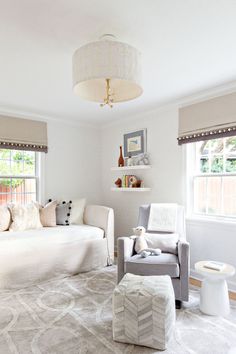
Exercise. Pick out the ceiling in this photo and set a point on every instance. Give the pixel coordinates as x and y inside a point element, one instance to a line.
<point>186,45</point>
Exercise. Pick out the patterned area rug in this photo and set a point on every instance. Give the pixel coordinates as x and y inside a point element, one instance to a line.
<point>73,315</point>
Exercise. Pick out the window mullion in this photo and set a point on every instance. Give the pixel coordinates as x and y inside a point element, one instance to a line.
<point>210,158</point>
<point>206,200</point>
<point>11,188</point>
<point>221,196</point>
<point>23,167</point>
<point>224,156</point>
<point>221,181</point>
<point>24,191</point>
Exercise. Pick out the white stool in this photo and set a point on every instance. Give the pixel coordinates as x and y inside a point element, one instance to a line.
<point>144,310</point>
<point>214,298</point>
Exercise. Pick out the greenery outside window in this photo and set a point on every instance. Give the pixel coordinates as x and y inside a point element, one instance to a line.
<point>19,182</point>
<point>212,169</point>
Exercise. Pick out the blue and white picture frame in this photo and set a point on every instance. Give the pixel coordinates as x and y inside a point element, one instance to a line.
<point>135,143</point>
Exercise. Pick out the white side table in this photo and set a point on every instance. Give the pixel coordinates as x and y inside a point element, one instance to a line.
<point>214,297</point>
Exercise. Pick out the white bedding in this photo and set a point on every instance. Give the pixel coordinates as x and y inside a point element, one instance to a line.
<point>30,256</point>
<point>58,234</point>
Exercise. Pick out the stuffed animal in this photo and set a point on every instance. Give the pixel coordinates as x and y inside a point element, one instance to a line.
<point>140,241</point>
<point>141,246</point>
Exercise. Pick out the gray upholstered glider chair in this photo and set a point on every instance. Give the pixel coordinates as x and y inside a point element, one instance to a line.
<point>175,265</point>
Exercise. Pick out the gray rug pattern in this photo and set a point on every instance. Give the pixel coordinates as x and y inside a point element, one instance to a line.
<point>74,316</point>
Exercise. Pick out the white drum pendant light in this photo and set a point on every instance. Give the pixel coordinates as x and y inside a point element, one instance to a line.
<point>107,71</point>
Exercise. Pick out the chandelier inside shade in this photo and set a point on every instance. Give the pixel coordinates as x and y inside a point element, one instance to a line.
<point>107,59</point>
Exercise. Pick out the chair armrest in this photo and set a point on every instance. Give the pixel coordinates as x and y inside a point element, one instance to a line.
<point>102,217</point>
<point>125,249</point>
<point>184,261</point>
<point>183,252</point>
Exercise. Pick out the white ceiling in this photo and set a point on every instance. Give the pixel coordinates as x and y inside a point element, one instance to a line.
<point>187,46</point>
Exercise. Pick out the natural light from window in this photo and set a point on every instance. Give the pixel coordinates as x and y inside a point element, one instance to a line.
<point>18,176</point>
<point>214,177</point>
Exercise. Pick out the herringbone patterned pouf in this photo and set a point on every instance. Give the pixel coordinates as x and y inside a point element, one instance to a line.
<point>144,310</point>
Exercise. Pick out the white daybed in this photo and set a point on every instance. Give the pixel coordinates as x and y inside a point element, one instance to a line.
<point>31,256</point>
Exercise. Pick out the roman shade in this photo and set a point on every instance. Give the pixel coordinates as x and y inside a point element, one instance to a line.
<point>23,134</point>
<point>209,119</point>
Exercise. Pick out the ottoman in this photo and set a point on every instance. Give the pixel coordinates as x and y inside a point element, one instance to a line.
<point>144,310</point>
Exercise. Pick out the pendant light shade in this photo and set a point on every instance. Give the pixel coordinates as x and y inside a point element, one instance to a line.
<point>107,71</point>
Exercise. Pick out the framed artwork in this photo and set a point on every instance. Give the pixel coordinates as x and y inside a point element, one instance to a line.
<point>135,143</point>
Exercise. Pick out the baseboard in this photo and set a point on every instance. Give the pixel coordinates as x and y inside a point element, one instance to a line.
<point>197,282</point>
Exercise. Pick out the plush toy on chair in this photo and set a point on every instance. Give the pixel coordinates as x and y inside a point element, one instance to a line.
<point>141,246</point>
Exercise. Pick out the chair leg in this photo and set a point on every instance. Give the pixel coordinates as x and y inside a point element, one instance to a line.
<point>178,304</point>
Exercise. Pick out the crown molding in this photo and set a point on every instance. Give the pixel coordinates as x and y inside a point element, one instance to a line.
<point>25,114</point>
<point>13,111</point>
<point>202,95</point>
<point>207,94</point>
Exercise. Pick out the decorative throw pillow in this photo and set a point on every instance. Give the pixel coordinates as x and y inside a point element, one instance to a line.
<point>5,218</point>
<point>166,242</point>
<point>63,213</point>
<point>48,214</point>
<point>25,217</point>
<point>77,211</point>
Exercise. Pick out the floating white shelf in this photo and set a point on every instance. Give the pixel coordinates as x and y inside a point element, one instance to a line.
<point>125,168</point>
<point>115,189</point>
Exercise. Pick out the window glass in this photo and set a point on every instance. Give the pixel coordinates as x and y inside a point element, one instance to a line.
<point>204,164</point>
<point>214,179</point>
<point>18,180</point>
<point>213,195</point>
<point>200,193</point>
<point>229,196</point>
<point>217,164</point>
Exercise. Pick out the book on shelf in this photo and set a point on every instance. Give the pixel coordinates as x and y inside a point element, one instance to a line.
<point>126,181</point>
<point>219,266</point>
<point>123,182</point>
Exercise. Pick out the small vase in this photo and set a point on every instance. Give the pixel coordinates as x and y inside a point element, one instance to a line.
<point>121,161</point>
<point>129,161</point>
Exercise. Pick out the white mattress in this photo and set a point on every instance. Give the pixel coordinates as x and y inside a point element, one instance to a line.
<point>59,234</point>
<point>32,255</point>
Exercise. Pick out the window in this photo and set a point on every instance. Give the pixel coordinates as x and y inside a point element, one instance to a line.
<point>18,176</point>
<point>212,172</point>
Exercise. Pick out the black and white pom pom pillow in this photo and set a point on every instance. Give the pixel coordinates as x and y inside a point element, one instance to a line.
<point>63,212</point>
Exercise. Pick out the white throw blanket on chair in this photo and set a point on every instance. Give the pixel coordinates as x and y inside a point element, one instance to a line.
<point>163,217</point>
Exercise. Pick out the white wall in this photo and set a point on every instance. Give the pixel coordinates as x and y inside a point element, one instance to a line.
<point>72,165</point>
<point>165,177</point>
<point>212,240</point>
<point>209,240</point>
<point>78,165</point>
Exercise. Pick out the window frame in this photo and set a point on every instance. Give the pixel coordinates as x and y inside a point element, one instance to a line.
<point>38,176</point>
<point>190,176</point>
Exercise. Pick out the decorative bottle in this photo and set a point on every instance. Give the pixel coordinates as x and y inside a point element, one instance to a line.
<point>129,161</point>
<point>121,161</point>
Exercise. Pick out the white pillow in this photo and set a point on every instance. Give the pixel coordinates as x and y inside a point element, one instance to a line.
<point>48,214</point>
<point>5,218</point>
<point>166,242</point>
<point>25,217</point>
<point>77,211</point>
